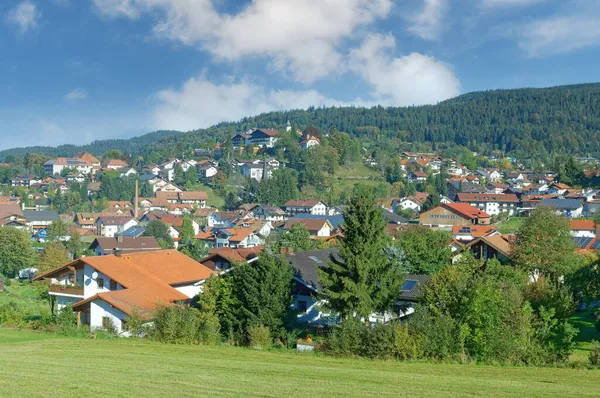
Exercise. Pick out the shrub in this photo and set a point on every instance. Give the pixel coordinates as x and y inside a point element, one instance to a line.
<point>594,356</point>
<point>346,339</point>
<point>11,314</point>
<point>259,336</point>
<point>209,332</point>
<point>405,344</point>
<point>175,324</point>
<point>379,341</point>
<point>135,324</point>
<point>438,335</point>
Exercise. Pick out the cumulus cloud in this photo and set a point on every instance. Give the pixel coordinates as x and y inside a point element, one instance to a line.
<point>200,103</point>
<point>77,94</point>
<point>509,3</point>
<point>302,37</point>
<point>25,16</point>
<point>413,79</point>
<point>427,24</point>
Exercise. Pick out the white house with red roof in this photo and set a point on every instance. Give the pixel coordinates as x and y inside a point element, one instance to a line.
<point>105,291</point>
<point>314,207</point>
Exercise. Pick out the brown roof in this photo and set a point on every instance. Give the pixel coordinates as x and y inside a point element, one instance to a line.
<point>114,162</point>
<point>583,225</point>
<point>8,200</point>
<point>475,231</point>
<point>147,278</point>
<point>237,234</point>
<point>487,197</point>
<point>8,210</point>
<point>115,220</point>
<point>466,210</point>
<point>120,204</point>
<point>127,244</point>
<point>312,224</point>
<point>204,212</point>
<point>302,203</point>
<point>199,195</point>
<point>87,157</point>
<point>269,132</point>
<point>499,242</point>
<point>233,255</point>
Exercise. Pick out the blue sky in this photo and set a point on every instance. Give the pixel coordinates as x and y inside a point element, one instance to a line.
<point>72,71</point>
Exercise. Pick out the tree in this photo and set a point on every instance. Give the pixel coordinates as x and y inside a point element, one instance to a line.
<point>53,256</point>
<point>426,250</point>
<point>544,245</point>
<point>433,200</point>
<point>362,279</point>
<point>16,251</point>
<point>298,238</point>
<point>187,230</point>
<point>56,230</point>
<point>192,176</point>
<point>197,249</point>
<point>263,293</point>
<point>160,232</point>
<point>146,191</point>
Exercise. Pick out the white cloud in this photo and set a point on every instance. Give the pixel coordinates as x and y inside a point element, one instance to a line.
<point>428,23</point>
<point>302,37</point>
<point>201,103</point>
<point>77,94</point>
<point>414,79</point>
<point>560,34</point>
<point>118,8</point>
<point>509,3</point>
<point>25,16</point>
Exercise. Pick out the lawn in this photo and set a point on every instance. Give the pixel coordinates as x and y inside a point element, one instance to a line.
<point>214,200</point>
<point>32,366</point>
<point>26,296</point>
<point>584,321</point>
<point>511,225</point>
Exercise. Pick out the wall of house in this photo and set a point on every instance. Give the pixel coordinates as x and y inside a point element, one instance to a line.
<point>63,300</point>
<point>312,315</point>
<point>325,231</point>
<point>100,309</point>
<point>90,285</point>
<point>580,233</point>
<point>440,216</point>
<point>189,290</point>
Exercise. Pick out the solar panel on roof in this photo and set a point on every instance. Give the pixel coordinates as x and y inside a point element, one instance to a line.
<point>596,244</point>
<point>408,285</point>
<point>582,242</point>
<point>315,259</point>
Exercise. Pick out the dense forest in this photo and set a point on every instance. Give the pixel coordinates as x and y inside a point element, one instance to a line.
<point>130,145</point>
<point>526,123</point>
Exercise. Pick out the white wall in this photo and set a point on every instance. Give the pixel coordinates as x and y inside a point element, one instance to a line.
<point>189,290</point>
<point>90,285</point>
<point>100,309</point>
<point>63,301</point>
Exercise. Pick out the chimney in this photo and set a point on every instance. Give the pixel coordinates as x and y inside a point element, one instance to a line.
<point>117,252</point>
<point>286,250</point>
<point>120,238</point>
<point>136,200</point>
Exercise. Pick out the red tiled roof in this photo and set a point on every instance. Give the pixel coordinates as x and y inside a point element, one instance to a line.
<point>302,203</point>
<point>466,210</point>
<point>583,225</point>
<point>474,231</point>
<point>311,224</point>
<point>487,197</point>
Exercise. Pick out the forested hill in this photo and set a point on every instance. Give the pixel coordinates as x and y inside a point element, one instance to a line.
<point>131,145</point>
<point>528,123</point>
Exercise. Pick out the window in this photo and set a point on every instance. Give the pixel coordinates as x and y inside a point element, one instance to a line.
<point>106,323</point>
<point>113,285</point>
<point>302,306</point>
<point>71,277</point>
<point>100,282</point>
<point>409,284</point>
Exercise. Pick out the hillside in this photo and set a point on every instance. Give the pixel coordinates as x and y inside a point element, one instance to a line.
<point>32,363</point>
<point>131,145</point>
<point>528,123</point>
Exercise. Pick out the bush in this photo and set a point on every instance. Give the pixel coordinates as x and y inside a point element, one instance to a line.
<point>259,337</point>
<point>438,335</point>
<point>135,324</point>
<point>65,321</point>
<point>405,344</point>
<point>594,357</point>
<point>11,314</point>
<point>346,339</point>
<point>176,325</point>
<point>379,342</point>
<point>209,332</point>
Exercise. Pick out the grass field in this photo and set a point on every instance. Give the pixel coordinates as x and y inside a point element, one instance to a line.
<point>214,200</point>
<point>26,296</point>
<point>38,365</point>
<point>584,321</point>
<point>511,225</point>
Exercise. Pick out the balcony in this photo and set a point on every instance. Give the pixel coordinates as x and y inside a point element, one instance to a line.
<point>71,290</point>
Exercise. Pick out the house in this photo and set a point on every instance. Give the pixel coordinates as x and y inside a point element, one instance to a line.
<point>127,171</point>
<point>558,188</point>
<point>230,237</point>
<point>105,291</point>
<point>491,204</point>
<point>190,198</point>
<point>309,142</point>
<point>417,176</point>
<point>226,219</point>
<point>489,247</point>
<point>38,220</point>
<point>268,213</point>
<point>315,226</point>
<point>123,245</point>
<point>495,176</point>
<point>222,258</point>
<point>455,187</point>
<point>566,207</point>
<point>255,171</point>
<point>467,233</point>
<point>114,164</point>
<point>307,289</point>
<point>86,220</point>
<point>11,212</point>
<point>583,229</point>
<point>92,188</point>
<point>56,166</point>
<point>109,226</point>
<point>451,214</point>
<point>25,181</point>
<point>314,207</point>
<point>240,140</point>
<point>409,203</point>
<point>264,138</point>
<point>207,169</point>
<point>119,207</point>
<point>88,157</point>
<point>495,188</point>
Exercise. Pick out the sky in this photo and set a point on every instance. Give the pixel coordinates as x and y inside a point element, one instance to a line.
<point>73,71</point>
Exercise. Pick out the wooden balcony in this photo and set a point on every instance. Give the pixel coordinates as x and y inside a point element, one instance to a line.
<point>72,290</point>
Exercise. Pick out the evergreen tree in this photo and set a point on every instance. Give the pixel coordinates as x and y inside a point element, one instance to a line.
<point>187,231</point>
<point>160,232</point>
<point>146,191</point>
<point>192,176</point>
<point>363,278</point>
<point>179,177</point>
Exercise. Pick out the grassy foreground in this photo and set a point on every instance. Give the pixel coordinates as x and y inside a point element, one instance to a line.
<point>39,365</point>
